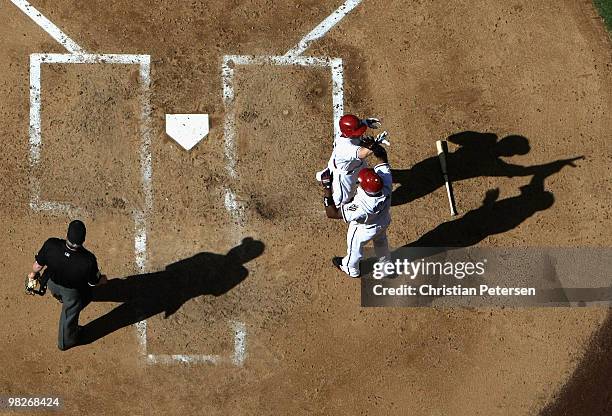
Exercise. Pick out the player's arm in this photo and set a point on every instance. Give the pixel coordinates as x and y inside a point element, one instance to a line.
<point>330,208</point>
<point>95,277</point>
<point>346,212</point>
<point>380,154</point>
<point>97,280</point>
<point>36,268</point>
<point>363,152</point>
<point>40,260</point>
<point>368,145</point>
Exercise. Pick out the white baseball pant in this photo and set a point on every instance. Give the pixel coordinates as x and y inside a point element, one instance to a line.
<point>357,237</point>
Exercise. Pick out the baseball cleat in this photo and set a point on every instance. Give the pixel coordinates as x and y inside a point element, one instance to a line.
<point>321,174</point>
<point>337,262</point>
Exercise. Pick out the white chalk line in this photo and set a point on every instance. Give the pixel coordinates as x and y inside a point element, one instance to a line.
<point>236,359</point>
<point>78,55</point>
<point>48,26</point>
<point>35,137</point>
<point>323,27</point>
<point>146,167</point>
<point>34,131</point>
<point>182,359</point>
<point>228,67</point>
<point>240,352</point>
<point>140,216</point>
<point>337,70</point>
<point>231,202</point>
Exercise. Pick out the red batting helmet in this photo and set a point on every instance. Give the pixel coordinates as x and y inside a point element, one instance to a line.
<point>370,182</point>
<point>351,126</point>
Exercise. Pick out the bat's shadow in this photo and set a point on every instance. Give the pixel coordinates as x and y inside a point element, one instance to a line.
<point>145,295</point>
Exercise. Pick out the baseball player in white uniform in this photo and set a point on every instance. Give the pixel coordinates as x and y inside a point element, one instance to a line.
<point>347,158</point>
<point>368,216</point>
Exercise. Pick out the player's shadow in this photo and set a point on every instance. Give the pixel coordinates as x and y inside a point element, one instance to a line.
<point>479,154</point>
<point>145,295</point>
<point>496,216</point>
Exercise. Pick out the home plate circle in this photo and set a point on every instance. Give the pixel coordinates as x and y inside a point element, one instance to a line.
<point>187,129</point>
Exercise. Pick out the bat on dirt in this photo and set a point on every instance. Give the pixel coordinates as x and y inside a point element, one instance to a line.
<point>442,147</point>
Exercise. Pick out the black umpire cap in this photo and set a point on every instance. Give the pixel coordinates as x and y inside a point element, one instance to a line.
<point>76,232</point>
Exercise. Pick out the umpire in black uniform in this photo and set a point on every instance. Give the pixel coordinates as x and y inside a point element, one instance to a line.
<point>71,271</point>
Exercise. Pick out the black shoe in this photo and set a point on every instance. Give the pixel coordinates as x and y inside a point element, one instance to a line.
<point>337,262</point>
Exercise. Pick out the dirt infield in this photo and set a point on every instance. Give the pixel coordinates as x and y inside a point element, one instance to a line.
<point>541,70</point>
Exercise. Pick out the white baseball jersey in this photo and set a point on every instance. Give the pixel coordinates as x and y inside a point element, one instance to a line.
<point>368,210</point>
<point>384,171</point>
<point>368,218</point>
<point>345,166</point>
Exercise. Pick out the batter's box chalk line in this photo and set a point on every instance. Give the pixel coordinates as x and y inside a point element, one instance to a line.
<point>229,66</point>
<point>140,216</point>
<point>78,55</point>
<point>292,57</point>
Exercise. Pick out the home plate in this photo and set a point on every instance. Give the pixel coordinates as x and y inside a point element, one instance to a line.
<point>187,129</point>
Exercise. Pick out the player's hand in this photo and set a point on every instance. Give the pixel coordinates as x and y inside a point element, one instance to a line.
<point>371,122</point>
<point>31,275</point>
<point>560,164</point>
<point>383,138</point>
<point>326,179</point>
<point>570,162</point>
<point>367,142</point>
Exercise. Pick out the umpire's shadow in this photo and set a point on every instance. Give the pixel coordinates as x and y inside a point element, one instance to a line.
<point>479,154</point>
<point>149,294</point>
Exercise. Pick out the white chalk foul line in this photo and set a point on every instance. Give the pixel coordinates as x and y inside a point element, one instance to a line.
<point>48,26</point>
<point>323,27</point>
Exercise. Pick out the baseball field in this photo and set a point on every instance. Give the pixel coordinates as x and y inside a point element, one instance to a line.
<point>229,240</point>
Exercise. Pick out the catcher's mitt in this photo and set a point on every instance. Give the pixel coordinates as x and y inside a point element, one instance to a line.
<point>34,286</point>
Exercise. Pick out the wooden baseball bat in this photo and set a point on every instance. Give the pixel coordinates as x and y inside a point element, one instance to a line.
<point>442,147</point>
